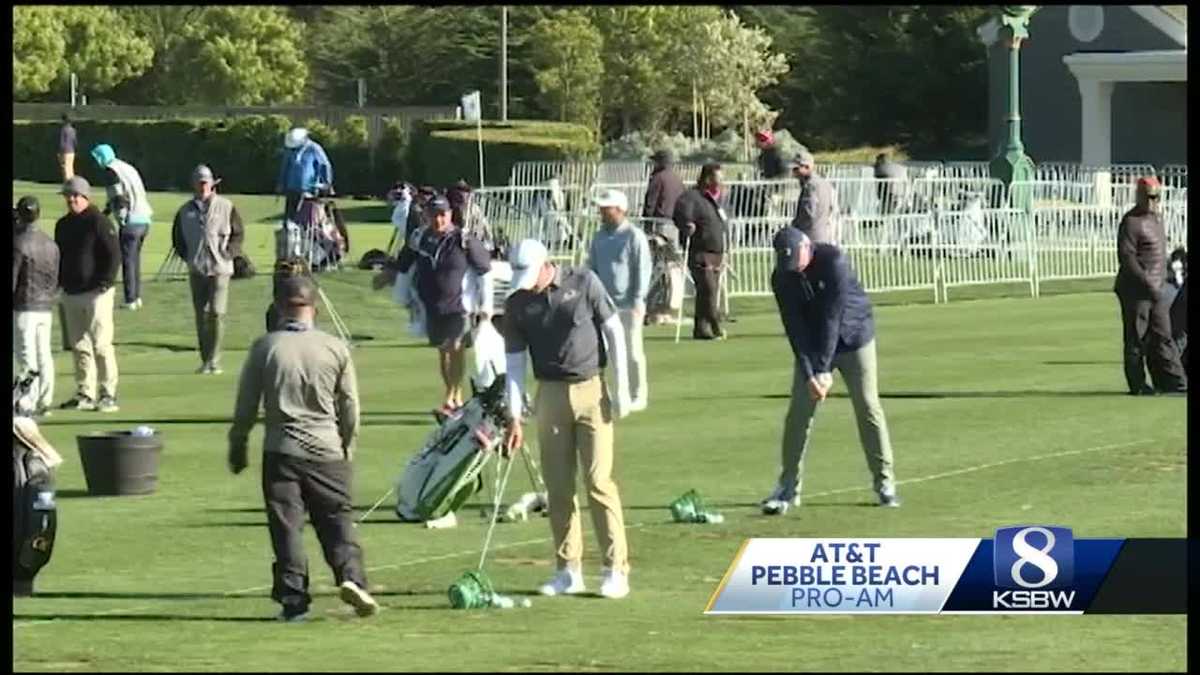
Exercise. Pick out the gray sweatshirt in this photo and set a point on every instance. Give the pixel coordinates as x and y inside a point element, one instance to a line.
<point>621,258</point>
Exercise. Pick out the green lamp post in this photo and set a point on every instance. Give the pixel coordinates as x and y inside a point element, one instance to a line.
<point>1012,165</point>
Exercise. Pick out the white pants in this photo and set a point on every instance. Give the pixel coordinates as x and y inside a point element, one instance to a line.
<point>639,391</point>
<point>31,349</point>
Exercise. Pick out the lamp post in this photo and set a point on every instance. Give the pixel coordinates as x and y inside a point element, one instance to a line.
<point>1011,164</point>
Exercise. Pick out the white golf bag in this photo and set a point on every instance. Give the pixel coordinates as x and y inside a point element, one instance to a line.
<point>447,470</point>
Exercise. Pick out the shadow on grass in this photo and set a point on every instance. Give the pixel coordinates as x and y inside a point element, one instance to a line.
<point>934,395</point>
<point>1081,363</point>
<point>169,421</point>
<point>141,617</point>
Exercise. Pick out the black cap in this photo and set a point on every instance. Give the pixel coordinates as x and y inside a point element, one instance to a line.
<point>439,204</point>
<point>786,242</point>
<point>297,291</point>
<point>28,208</point>
<point>665,156</point>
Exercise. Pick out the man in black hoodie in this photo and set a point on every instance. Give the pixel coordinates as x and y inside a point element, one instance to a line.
<point>664,188</point>
<point>90,257</point>
<point>700,217</point>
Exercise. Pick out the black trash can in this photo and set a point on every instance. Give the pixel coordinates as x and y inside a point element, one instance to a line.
<point>120,463</point>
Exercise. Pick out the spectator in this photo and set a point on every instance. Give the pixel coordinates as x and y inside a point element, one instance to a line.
<point>468,216</point>
<point>89,257</point>
<point>400,198</point>
<point>67,141</point>
<point>207,233</point>
<point>620,257</point>
<point>1175,297</point>
<point>1141,256</point>
<point>128,204</point>
<point>702,223</point>
<point>35,285</point>
<point>453,284</point>
<point>770,160</point>
<point>827,318</point>
<point>664,188</point>
<point>814,209</point>
<point>305,382</point>
<point>304,169</point>
<point>891,185</point>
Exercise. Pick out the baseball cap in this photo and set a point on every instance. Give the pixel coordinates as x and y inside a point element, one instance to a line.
<point>439,204</point>
<point>77,185</point>
<point>786,242</point>
<point>612,198</point>
<point>296,291</point>
<point>28,208</point>
<point>295,138</point>
<point>803,158</point>
<point>1149,185</point>
<point>202,173</point>
<point>104,155</point>
<point>526,260</point>
<point>663,155</point>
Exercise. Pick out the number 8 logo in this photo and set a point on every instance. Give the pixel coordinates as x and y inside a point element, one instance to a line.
<point>1028,555</point>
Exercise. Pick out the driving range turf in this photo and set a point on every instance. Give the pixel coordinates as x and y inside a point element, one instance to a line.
<point>1002,411</point>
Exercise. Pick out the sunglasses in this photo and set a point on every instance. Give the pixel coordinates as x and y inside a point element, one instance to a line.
<point>1153,197</point>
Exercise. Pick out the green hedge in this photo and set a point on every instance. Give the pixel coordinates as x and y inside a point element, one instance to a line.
<point>244,151</point>
<point>443,151</point>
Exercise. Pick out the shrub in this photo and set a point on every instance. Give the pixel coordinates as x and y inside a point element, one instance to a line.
<point>444,151</point>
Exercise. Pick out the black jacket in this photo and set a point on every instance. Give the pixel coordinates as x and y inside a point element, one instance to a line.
<point>1141,254</point>
<point>825,311</point>
<point>35,271</point>
<point>662,193</point>
<point>442,262</point>
<point>695,206</point>
<point>89,252</point>
<point>770,164</point>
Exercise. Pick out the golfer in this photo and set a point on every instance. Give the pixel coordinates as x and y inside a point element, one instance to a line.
<point>303,169</point>
<point>128,204</point>
<point>306,382</point>
<point>35,289</point>
<point>620,257</point>
<point>206,233</point>
<point>557,314</point>
<point>828,321</point>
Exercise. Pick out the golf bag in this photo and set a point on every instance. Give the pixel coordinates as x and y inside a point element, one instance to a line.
<point>35,516</point>
<point>448,469</point>
<point>667,276</point>
<point>317,234</point>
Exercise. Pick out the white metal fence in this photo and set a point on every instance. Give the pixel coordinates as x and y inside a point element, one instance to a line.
<point>945,226</point>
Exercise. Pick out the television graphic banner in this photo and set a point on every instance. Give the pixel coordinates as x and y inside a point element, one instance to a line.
<point>1028,569</point>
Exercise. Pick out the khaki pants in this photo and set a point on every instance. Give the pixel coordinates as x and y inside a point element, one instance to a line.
<point>575,426</point>
<point>66,162</point>
<point>860,375</point>
<point>210,298</point>
<point>31,349</point>
<point>89,320</point>
<point>635,352</point>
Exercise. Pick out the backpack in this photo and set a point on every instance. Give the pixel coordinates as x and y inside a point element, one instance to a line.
<point>373,258</point>
<point>243,268</point>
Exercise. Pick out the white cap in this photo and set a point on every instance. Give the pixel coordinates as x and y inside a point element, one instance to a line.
<point>526,259</point>
<point>295,138</point>
<point>613,198</point>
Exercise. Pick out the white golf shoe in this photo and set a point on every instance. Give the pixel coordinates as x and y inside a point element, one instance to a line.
<point>354,595</point>
<point>780,501</point>
<point>615,585</point>
<point>565,582</point>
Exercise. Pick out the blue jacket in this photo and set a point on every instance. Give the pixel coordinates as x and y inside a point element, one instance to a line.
<point>302,169</point>
<point>825,311</point>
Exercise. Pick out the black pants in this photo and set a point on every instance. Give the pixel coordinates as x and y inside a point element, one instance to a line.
<point>290,486</point>
<point>291,204</point>
<point>706,275</point>
<point>1147,336</point>
<point>132,238</point>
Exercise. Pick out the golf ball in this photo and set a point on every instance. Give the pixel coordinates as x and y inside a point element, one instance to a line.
<point>526,603</point>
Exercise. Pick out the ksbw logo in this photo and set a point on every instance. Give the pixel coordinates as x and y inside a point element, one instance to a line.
<point>1035,567</point>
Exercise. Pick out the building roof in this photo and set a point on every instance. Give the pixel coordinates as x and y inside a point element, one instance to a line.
<point>1170,19</point>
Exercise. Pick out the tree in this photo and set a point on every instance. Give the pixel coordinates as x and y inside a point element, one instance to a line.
<point>101,49</point>
<point>567,55</point>
<point>38,47</point>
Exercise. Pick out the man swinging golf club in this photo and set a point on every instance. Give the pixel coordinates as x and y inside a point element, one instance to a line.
<point>828,321</point>
<point>557,314</point>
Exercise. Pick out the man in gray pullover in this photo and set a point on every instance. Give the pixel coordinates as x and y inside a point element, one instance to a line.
<point>620,256</point>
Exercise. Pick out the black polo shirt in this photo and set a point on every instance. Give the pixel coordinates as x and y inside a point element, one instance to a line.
<point>560,326</point>
<point>442,261</point>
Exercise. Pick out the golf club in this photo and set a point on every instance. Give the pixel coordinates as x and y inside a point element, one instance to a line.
<point>687,243</point>
<point>372,509</point>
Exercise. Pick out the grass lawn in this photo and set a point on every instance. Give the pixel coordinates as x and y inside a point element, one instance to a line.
<point>1003,410</point>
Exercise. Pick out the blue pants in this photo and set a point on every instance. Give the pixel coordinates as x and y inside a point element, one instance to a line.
<point>132,238</point>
